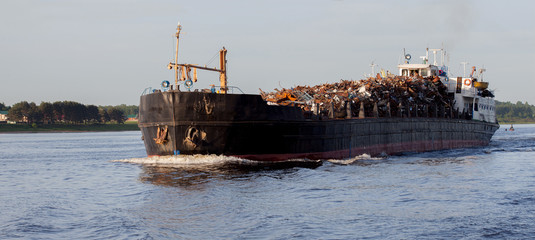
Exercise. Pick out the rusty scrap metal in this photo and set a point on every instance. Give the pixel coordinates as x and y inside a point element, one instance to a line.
<point>379,97</point>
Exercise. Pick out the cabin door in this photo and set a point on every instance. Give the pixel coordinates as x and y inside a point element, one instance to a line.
<point>459,84</point>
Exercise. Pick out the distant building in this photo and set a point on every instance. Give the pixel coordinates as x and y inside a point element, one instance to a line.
<point>3,116</point>
<point>132,117</point>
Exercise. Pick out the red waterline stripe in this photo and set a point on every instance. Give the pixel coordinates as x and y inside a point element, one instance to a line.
<point>373,150</point>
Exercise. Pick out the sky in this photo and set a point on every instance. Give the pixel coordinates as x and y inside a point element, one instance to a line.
<point>107,52</point>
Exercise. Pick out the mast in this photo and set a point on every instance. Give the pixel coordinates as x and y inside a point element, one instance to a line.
<point>464,68</point>
<point>435,55</point>
<point>223,68</point>
<point>186,68</point>
<point>178,28</point>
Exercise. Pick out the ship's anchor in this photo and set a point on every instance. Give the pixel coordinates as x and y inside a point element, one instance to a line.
<point>204,107</point>
<point>194,138</point>
<point>208,106</point>
<point>161,135</point>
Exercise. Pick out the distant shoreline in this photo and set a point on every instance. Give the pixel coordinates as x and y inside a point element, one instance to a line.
<point>515,123</point>
<point>64,131</point>
<point>67,128</point>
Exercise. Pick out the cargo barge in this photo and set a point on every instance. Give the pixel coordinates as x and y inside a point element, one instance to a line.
<point>210,121</point>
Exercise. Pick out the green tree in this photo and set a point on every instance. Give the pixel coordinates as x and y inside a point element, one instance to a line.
<point>3,107</point>
<point>74,112</point>
<point>507,111</point>
<point>19,111</point>
<point>58,111</point>
<point>93,114</point>
<point>24,111</point>
<point>47,109</point>
<point>104,116</point>
<point>68,111</point>
<point>116,115</point>
<point>81,112</point>
<point>35,114</point>
<point>127,109</point>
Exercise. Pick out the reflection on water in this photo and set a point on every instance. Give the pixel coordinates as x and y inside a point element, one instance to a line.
<point>176,177</point>
<point>191,172</point>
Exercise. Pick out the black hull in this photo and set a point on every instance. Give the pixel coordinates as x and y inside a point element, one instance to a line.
<point>245,126</point>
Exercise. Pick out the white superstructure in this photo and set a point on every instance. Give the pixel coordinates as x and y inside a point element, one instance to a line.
<point>472,97</point>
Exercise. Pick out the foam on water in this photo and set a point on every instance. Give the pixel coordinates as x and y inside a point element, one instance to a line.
<point>212,160</point>
<point>198,160</point>
<point>186,160</point>
<point>348,161</point>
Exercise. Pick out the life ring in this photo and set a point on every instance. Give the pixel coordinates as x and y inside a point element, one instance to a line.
<point>188,83</point>
<point>165,84</point>
<point>467,82</point>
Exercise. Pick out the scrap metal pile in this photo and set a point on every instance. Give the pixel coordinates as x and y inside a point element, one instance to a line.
<point>372,97</point>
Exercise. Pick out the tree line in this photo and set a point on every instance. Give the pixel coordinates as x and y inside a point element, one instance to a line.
<point>127,109</point>
<point>66,112</point>
<point>73,112</point>
<point>511,112</point>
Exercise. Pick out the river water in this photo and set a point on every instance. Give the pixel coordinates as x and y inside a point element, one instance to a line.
<point>101,186</point>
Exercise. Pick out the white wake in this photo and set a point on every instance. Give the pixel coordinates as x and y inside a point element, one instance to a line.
<point>349,161</point>
<point>186,160</point>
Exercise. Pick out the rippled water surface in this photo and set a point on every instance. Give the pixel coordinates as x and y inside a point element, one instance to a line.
<point>101,186</point>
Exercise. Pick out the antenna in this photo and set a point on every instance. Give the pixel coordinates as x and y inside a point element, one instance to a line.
<point>373,68</point>
<point>435,55</point>
<point>443,53</point>
<point>447,55</point>
<point>481,71</point>
<point>178,28</point>
<point>464,68</point>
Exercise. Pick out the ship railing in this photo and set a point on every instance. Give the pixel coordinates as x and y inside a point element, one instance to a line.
<point>231,88</point>
<point>150,90</point>
<point>147,91</point>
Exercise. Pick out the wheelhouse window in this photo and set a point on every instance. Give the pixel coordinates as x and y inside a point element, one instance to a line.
<point>424,72</point>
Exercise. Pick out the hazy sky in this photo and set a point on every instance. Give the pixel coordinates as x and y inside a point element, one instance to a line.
<point>106,52</point>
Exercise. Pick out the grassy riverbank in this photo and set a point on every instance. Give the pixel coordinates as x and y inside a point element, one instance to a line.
<point>514,123</point>
<point>12,128</point>
<point>504,121</point>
